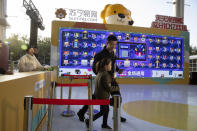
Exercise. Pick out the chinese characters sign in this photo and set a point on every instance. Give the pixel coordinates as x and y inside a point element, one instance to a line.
<point>82,15</point>
<point>168,22</point>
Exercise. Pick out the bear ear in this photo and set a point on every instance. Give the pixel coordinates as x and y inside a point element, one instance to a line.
<point>129,12</point>
<point>103,11</point>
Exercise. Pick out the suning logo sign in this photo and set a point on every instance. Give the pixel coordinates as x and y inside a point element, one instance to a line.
<point>82,15</point>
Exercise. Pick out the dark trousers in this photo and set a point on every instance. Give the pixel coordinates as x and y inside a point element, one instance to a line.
<point>104,111</point>
<point>84,109</point>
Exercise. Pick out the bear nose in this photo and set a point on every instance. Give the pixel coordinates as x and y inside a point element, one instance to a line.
<point>131,22</point>
<point>121,15</point>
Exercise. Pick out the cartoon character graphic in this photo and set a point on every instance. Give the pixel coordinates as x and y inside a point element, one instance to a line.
<point>135,39</point>
<point>116,14</point>
<point>171,41</point>
<point>150,40</point>
<point>140,50</point>
<point>171,50</point>
<point>119,37</point>
<point>127,37</point>
<point>85,45</point>
<point>164,65</point>
<point>93,36</point>
<point>150,56</point>
<point>119,63</point>
<point>157,48</point>
<point>102,36</point>
<point>85,54</point>
<point>93,53</point>
<point>126,63</point>
<point>76,35</point>
<point>171,57</point>
<point>171,65</point>
<point>66,44</point>
<point>178,42</point>
<point>178,50</point>
<point>135,64</point>
<point>94,45</point>
<point>158,41</point>
<point>66,53</point>
<point>143,40</point>
<point>75,53</point>
<point>91,62</point>
<point>164,57</point>
<point>178,65</point>
<point>75,43</point>
<point>150,65</point>
<point>66,62</point>
<point>75,62</point>
<point>67,34</point>
<point>103,45</point>
<point>85,35</point>
<point>157,65</point>
<point>165,41</point>
<point>164,49</point>
<point>150,48</point>
<point>142,64</point>
<point>178,58</point>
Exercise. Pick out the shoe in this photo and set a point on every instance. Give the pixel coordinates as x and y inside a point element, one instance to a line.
<point>106,126</point>
<point>122,119</point>
<point>87,123</point>
<point>81,117</point>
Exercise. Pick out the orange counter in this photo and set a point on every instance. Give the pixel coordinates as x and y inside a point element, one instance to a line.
<point>13,88</point>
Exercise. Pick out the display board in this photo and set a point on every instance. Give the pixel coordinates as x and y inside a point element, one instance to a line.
<point>140,55</point>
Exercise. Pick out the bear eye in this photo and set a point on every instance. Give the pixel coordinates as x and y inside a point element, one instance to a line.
<point>114,12</point>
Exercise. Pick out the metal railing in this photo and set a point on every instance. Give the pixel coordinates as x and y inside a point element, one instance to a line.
<point>28,108</point>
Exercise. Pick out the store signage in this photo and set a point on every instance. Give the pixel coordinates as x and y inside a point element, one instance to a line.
<point>168,22</point>
<point>82,15</point>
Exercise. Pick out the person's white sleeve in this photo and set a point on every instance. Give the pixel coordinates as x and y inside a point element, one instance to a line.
<point>21,64</point>
<point>24,66</point>
<point>38,65</point>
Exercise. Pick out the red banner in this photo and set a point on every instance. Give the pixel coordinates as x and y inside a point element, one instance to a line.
<point>78,76</point>
<point>70,102</point>
<point>73,85</point>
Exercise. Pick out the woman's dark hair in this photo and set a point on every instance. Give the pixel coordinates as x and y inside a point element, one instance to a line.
<point>111,38</point>
<point>103,63</point>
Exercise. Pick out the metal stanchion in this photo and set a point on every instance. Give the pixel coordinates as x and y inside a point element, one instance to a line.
<point>28,105</point>
<point>61,95</point>
<point>68,112</point>
<point>50,108</point>
<point>116,113</point>
<point>90,106</point>
<point>95,111</point>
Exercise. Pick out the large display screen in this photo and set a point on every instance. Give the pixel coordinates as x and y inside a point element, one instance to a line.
<point>131,51</point>
<point>140,55</point>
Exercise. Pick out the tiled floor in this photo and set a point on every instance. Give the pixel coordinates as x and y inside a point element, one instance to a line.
<point>146,107</point>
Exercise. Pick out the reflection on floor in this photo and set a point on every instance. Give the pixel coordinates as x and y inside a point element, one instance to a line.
<point>146,107</point>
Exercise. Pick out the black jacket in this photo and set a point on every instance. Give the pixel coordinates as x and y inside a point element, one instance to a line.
<point>105,54</point>
<point>103,87</point>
